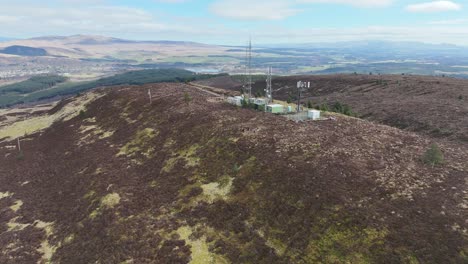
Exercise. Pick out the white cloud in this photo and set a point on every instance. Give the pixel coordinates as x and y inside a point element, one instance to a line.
<point>70,20</point>
<point>428,34</point>
<point>8,19</point>
<point>436,6</point>
<point>35,20</point>
<point>278,9</point>
<point>19,20</point>
<point>458,21</point>
<point>359,3</point>
<point>254,10</point>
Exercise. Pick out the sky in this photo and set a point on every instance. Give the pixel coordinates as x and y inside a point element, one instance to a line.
<point>231,22</point>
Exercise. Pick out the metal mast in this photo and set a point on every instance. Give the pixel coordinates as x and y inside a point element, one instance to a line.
<point>269,87</point>
<point>301,86</point>
<point>246,70</point>
<point>249,65</point>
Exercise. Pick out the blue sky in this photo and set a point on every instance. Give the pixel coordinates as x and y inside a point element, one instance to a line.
<point>232,21</point>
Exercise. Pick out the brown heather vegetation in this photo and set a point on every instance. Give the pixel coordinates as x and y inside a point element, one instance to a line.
<point>434,106</point>
<point>171,182</point>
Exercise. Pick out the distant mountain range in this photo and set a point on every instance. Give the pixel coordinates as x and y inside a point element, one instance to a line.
<point>109,48</point>
<point>103,40</point>
<point>356,46</point>
<point>363,43</point>
<point>4,39</point>
<point>292,58</point>
<point>80,43</point>
<point>377,47</point>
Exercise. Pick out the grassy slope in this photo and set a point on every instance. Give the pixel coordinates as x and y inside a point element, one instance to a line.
<point>171,181</point>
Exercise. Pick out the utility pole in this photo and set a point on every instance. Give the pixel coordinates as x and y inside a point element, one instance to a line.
<point>300,87</point>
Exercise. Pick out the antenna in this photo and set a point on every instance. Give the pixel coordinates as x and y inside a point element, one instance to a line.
<point>301,86</point>
<point>245,79</point>
<point>269,87</point>
<point>248,69</point>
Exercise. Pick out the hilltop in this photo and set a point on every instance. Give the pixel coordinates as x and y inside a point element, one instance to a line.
<point>23,51</point>
<point>435,106</point>
<point>81,39</point>
<point>103,40</point>
<point>113,178</point>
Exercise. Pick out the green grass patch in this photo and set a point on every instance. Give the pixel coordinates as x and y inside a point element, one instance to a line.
<point>200,253</point>
<point>342,244</point>
<point>38,123</point>
<point>188,155</point>
<point>107,202</point>
<point>110,200</point>
<point>139,144</point>
<point>217,190</point>
<point>17,205</point>
<point>199,59</point>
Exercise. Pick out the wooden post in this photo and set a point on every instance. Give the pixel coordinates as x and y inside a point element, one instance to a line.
<point>19,145</point>
<point>149,94</point>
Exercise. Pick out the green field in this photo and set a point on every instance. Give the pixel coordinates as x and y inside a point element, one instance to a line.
<point>200,59</point>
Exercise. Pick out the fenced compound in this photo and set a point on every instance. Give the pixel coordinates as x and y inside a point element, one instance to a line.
<point>297,117</point>
<point>261,103</point>
<point>217,99</point>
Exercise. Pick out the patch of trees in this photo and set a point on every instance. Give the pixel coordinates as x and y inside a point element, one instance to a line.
<point>33,84</point>
<point>342,109</point>
<point>24,51</point>
<point>149,76</point>
<point>138,78</point>
<point>128,78</point>
<point>247,104</point>
<point>255,78</point>
<point>337,107</point>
